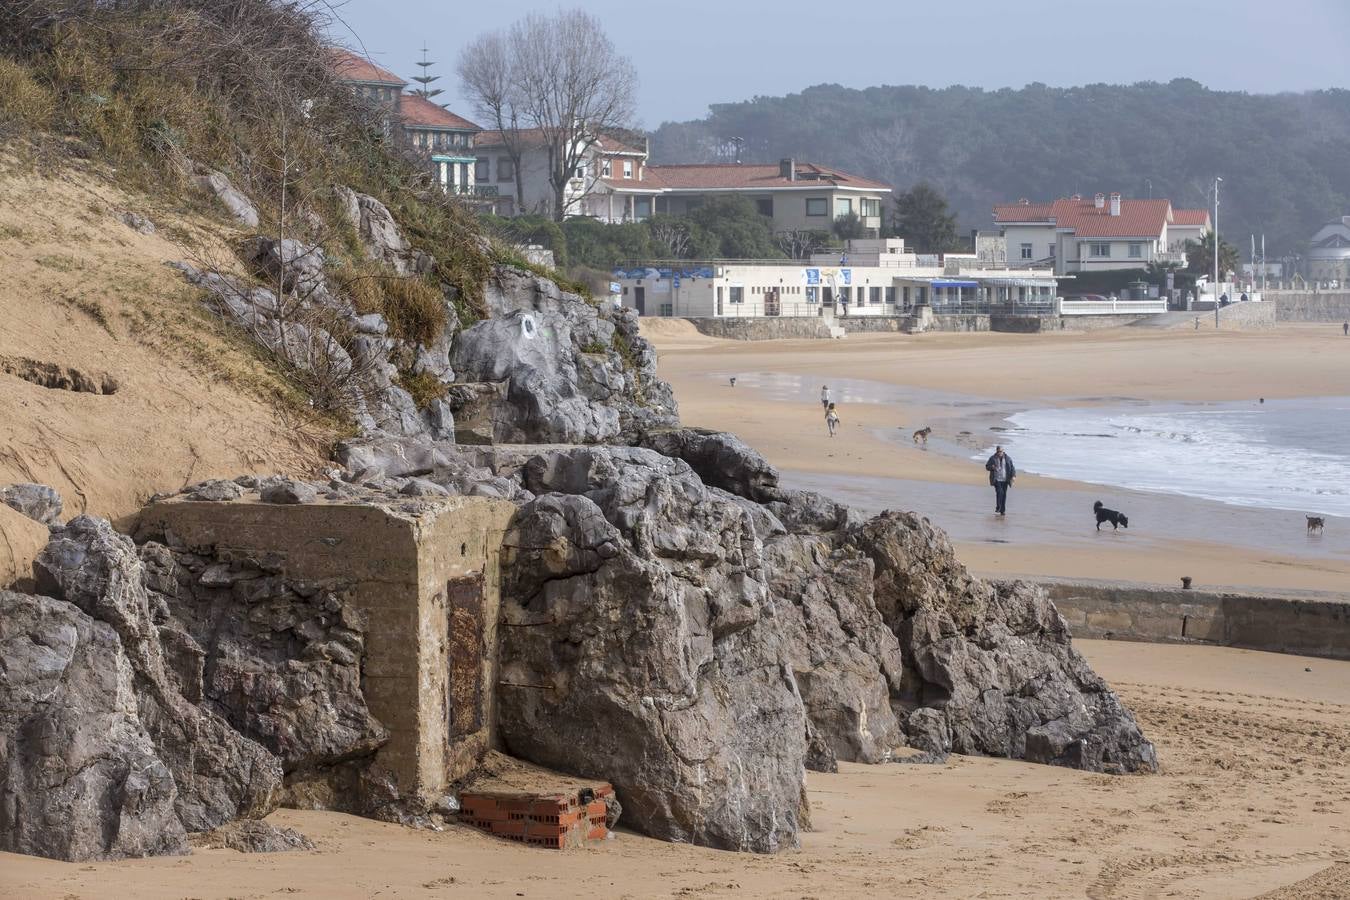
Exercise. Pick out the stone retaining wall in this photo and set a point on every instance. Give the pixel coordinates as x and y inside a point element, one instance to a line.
<point>1306,306</point>
<point>763,328</point>
<point>1309,624</point>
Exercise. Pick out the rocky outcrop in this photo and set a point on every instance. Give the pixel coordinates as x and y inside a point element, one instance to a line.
<point>651,653</point>
<point>380,234</point>
<point>80,778</point>
<point>280,661</point>
<point>36,501</point>
<point>989,668</point>
<point>574,372</point>
<point>220,774</point>
<point>235,201</point>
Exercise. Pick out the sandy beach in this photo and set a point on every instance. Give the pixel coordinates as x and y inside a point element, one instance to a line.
<point>1253,801</point>
<point>889,385</point>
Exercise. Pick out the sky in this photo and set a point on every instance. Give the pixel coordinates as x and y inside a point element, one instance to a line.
<point>693,53</point>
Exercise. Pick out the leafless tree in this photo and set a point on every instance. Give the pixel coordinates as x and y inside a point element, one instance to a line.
<point>799,243</point>
<point>672,235</point>
<point>487,73</point>
<point>562,78</point>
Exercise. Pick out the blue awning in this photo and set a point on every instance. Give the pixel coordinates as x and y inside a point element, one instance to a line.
<point>955,284</point>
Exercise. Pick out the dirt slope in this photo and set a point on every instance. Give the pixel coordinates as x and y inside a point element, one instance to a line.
<point>81,290</point>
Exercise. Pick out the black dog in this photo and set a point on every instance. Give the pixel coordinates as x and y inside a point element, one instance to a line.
<point>1118,520</point>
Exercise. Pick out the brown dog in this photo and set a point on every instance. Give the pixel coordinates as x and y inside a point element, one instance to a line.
<point>921,436</point>
<point>1315,523</point>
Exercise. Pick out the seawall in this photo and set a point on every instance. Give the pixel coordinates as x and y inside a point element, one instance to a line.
<point>1307,306</point>
<point>1304,623</point>
<point>764,328</point>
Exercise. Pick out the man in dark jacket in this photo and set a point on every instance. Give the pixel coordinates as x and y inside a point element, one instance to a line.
<point>1001,474</point>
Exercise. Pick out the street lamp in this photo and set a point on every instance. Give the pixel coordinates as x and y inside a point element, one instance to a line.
<point>1217,181</point>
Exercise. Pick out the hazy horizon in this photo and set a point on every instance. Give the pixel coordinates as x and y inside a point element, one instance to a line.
<point>1300,46</point>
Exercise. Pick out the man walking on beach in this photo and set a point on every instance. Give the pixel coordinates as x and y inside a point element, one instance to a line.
<point>825,397</point>
<point>1001,474</point>
<point>1345,328</point>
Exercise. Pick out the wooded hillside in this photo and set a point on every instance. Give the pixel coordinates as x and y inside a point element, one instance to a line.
<point>1283,157</point>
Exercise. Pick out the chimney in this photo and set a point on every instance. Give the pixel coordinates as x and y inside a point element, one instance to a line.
<point>1099,201</point>
<point>787,168</point>
<point>1076,197</point>
<point>1115,204</point>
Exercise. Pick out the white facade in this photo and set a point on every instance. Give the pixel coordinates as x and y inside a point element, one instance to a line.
<point>873,278</point>
<point>1329,253</point>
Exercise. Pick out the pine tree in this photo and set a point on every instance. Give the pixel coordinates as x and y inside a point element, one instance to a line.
<point>426,91</point>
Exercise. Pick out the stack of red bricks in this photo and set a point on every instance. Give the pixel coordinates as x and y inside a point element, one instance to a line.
<point>555,821</point>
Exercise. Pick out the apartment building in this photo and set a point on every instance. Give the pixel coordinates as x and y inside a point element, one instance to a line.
<point>1081,235</point>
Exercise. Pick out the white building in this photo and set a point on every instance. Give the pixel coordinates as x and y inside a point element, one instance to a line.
<point>872,278</point>
<point>1078,235</point>
<point>1329,253</point>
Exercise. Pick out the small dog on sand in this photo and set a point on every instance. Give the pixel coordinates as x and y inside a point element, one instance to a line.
<point>1117,519</point>
<point>1315,523</point>
<point>921,436</point>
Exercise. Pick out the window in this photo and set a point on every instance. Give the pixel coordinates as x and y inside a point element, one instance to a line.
<point>843,206</point>
<point>812,295</point>
<point>627,168</point>
<point>765,206</point>
<point>642,207</point>
<point>736,295</point>
<point>1136,250</point>
<point>1026,251</point>
<point>579,172</point>
<point>817,206</point>
<point>606,168</point>
<point>874,295</point>
<point>1100,249</point>
<point>480,170</point>
<point>869,208</point>
<point>904,295</point>
<point>1052,251</point>
<point>890,295</point>
<point>667,309</point>
<point>506,171</point>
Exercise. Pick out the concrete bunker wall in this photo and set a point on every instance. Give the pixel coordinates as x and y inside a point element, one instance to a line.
<point>427,582</point>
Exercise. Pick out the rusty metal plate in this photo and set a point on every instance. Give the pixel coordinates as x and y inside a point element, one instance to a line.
<point>467,651</point>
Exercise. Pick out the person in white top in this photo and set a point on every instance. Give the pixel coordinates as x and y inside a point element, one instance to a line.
<point>825,396</point>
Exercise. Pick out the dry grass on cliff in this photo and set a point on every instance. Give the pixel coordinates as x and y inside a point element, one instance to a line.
<point>78,288</point>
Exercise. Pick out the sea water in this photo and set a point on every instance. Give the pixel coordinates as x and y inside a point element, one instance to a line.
<point>1281,454</point>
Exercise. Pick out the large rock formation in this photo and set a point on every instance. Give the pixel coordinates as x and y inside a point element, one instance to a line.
<point>79,776</point>
<point>220,774</point>
<point>644,648</point>
<point>989,668</point>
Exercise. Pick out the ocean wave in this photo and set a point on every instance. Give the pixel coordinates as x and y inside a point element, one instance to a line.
<point>1287,455</point>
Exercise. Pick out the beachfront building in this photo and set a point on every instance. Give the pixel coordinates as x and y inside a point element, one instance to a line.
<point>872,277</point>
<point>1329,253</point>
<point>1080,235</point>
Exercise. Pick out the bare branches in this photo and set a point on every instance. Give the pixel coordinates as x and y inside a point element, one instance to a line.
<point>561,76</point>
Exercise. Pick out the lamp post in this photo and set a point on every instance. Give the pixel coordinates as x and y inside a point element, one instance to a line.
<point>1217,181</point>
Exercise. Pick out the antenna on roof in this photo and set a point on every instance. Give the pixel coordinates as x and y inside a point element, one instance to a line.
<point>426,92</point>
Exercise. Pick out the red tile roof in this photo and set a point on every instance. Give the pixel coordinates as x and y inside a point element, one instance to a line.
<point>1190,217</point>
<point>730,176</point>
<point>416,110</point>
<point>1138,218</point>
<point>351,67</point>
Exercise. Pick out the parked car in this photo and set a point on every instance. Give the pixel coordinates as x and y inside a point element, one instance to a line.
<point>1090,297</point>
